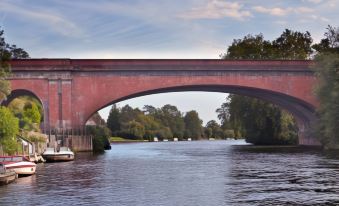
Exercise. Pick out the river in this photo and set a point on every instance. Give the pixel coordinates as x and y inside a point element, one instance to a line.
<point>203,173</point>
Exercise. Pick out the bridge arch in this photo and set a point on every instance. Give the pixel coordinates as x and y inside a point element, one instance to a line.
<point>25,92</point>
<point>303,112</point>
<point>18,93</point>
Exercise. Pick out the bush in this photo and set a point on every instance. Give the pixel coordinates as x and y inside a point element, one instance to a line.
<point>9,128</point>
<point>101,135</point>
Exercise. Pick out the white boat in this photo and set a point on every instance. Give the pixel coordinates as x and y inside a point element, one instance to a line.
<point>175,139</point>
<point>64,154</point>
<point>165,140</point>
<point>189,139</point>
<point>19,164</point>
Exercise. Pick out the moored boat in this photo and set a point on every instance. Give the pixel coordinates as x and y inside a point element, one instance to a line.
<point>19,164</point>
<point>64,154</point>
<point>6,177</point>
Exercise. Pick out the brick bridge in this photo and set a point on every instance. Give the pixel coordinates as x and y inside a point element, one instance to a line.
<point>71,90</point>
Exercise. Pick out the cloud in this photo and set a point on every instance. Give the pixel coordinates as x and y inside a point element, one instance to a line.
<point>316,17</point>
<point>217,9</point>
<point>314,1</point>
<point>276,11</point>
<point>55,22</point>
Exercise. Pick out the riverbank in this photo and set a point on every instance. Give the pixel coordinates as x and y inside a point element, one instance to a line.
<point>116,140</point>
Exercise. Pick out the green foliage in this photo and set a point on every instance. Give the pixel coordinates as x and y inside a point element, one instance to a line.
<point>327,91</point>
<point>330,43</point>
<point>250,47</point>
<point>36,138</point>
<point>29,112</point>
<point>7,52</point>
<point>262,122</point>
<point>10,145</point>
<point>101,135</point>
<point>193,126</point>
<point>135,129</point>
<point>4,68</point>
<point>229,133</point>
<point>151,126</point>
<point>290,45</point>
<point>113,121</point>
<point>166,122</point>
<point>213,130</point>
<point>9,125</point>
<point>171,117</point>
<point>9,128</point>
<point>5,88</point>
<point>120,139</point>
<point>259,121</point>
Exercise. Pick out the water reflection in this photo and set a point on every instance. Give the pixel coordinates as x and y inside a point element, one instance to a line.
<point>184,173</point>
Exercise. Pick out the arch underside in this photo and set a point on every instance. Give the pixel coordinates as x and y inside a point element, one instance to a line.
<point>300,109</point>
<point>303,112</point>
<point>23,92</point>
<point>19,93</point>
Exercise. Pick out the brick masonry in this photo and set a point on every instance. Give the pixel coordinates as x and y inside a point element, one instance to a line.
<point>71,90</point>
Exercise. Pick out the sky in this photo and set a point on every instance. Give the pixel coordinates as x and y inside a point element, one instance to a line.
<point>156,29</point>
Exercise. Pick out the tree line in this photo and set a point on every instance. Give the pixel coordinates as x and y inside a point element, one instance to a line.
<point>264,123</point>
<point>167,122</point>
<point>23,115</point>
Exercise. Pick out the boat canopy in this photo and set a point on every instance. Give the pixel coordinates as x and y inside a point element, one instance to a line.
<point>12,158</point>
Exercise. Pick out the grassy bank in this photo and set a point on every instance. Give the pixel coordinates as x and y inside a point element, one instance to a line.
<point>122,140</point>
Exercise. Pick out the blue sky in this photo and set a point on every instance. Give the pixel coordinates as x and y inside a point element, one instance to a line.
<point>185,29</point>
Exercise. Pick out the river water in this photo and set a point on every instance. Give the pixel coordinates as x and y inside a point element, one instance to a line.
<point>204,173</point>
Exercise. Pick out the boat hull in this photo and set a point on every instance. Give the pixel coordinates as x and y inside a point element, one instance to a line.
<point>22,169</point>
<point>8,177</point>
<point>58,157</point>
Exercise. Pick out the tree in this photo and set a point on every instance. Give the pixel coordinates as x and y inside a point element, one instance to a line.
<point>8,123</point>
<point>7,52</point>
<point>100,135</point>
<point>150,110</point>
<point>9,128</point>
<point>224,115</point>
<point>4,67</point>
<point>29,112</point>
<point>113,120</point>
<point>32,112</point>
<point>172,118</point>
<point>250,47</point>
<point>327,91</point>
<point>214,130</point>
<point>292,45</point>
<point>330,43</point>
<point>193,125</point>
<point>135,129</point>
<point>31,117</point>
<point>260,121</point>
<point>150,125</point>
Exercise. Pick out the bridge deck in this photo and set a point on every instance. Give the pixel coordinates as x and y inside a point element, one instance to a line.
<point>159,65</point>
